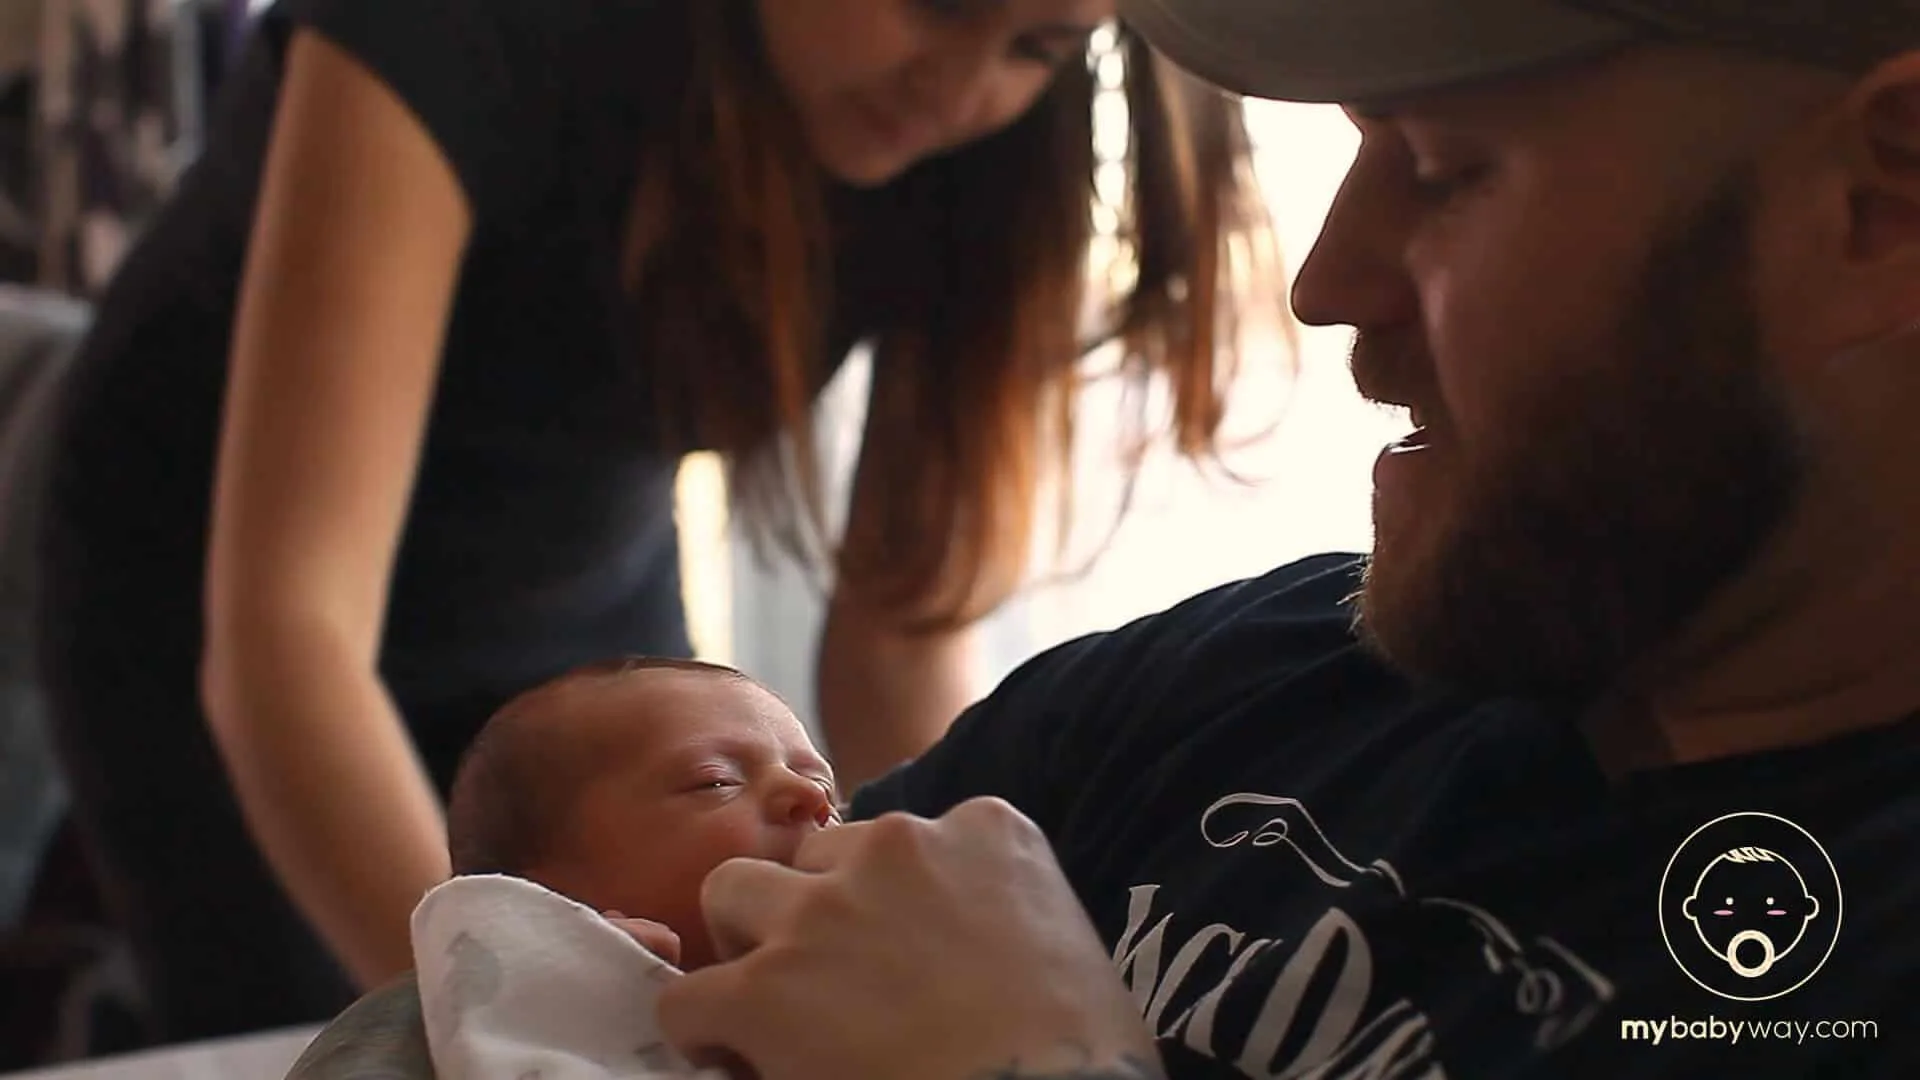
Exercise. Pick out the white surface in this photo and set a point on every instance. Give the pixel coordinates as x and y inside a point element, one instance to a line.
<point>517,980</point>
<point>252,1057</point>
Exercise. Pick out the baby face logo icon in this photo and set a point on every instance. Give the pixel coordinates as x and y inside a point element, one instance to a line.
<point>1750,906</point>
<point>1752,901</point>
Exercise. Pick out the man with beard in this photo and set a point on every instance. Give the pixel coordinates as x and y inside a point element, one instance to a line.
<point>1604,763</point>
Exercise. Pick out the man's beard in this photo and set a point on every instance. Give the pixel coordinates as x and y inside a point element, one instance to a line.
<point>1639,489</point>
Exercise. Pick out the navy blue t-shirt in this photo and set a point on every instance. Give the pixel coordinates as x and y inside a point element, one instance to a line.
<point>1305,866</point>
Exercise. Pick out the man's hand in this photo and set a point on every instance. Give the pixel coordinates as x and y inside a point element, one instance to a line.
<point>902,947</point>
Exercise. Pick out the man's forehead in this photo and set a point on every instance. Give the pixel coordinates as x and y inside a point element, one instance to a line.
<point>1846,35</point>
<point>1509,96</point>
<point>1642,87</point>
<point>1354,50</point>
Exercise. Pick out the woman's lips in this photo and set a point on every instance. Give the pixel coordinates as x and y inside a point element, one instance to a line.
<point>888,126</point>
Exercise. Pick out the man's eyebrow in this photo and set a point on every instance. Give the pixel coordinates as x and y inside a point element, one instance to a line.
<point>1387,110</point>
<point>1063,31</point>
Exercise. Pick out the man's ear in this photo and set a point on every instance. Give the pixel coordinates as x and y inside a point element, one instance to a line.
<point>1884,115</point>
<point>1861,259</point>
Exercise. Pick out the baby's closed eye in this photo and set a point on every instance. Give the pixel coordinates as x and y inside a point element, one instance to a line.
<point>713,781</point>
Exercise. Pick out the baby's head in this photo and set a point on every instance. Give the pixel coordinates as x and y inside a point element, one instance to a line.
<point>621,785</point>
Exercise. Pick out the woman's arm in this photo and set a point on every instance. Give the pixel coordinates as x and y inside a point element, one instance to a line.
<point>349,279</point>
<point>886,696</point>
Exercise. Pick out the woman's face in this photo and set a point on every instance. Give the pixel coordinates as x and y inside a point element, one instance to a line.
<point>881,84</point>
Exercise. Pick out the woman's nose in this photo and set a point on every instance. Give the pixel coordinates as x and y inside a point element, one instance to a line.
<point>954,89</point>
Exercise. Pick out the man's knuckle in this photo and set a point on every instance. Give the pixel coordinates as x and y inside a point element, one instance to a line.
<point>996,814</point>
<point>898,834</point>
<point>833,902</point>
<point>676,1005</point>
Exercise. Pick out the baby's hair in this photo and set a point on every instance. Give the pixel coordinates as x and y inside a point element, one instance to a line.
<point>509,794</point>
<point>627,665</point>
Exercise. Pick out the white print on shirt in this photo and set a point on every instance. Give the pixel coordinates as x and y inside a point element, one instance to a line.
<point>1555,993</point>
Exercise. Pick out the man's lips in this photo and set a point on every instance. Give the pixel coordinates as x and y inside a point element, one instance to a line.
<point>1420,438</point>
<point>1417,439</point>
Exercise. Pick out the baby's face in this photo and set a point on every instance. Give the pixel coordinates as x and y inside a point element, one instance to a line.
<point>1750,913</point>
<point>693,769</point>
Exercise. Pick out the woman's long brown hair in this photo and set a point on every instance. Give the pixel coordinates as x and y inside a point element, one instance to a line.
<point>970,277</point>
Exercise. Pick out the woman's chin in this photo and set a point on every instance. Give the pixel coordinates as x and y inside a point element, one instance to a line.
<point>861,167</point>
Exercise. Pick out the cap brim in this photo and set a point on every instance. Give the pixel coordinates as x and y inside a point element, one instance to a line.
<point>1363,50</point>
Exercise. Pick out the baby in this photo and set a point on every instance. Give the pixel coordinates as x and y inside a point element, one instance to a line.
<point>620,785</point>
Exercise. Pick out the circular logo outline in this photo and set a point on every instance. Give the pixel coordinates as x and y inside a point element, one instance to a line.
<point>1839,905</point>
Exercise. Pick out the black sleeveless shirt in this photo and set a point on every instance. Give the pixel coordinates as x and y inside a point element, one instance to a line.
<point>541,530</point>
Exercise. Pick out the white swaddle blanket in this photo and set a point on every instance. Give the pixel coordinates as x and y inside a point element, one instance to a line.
<point>520,983</point>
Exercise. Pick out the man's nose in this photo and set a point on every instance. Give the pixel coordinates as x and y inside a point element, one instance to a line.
<point>1356,274</point>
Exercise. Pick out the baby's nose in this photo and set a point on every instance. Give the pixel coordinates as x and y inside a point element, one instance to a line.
<point>804,802</point>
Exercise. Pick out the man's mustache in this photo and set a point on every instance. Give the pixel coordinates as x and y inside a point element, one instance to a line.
<point>1393,369</point>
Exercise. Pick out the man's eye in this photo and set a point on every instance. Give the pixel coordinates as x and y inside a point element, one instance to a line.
<point>946,9</point>
<point>1045,53</point>
<point>1439,185</point>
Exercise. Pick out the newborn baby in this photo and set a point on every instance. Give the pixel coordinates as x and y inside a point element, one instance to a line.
<point>621,785</point>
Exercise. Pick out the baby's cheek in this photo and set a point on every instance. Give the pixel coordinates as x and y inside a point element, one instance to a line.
<point>665,876</point>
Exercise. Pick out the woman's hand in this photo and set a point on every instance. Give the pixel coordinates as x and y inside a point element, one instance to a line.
<point>940,950</point>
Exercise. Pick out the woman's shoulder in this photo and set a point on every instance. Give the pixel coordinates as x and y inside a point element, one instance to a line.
<point>489,34</point>
<point>528,43</point>
<point>497,83</point>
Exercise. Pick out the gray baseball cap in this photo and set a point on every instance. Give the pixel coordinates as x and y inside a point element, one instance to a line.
<point>1361,50</point>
